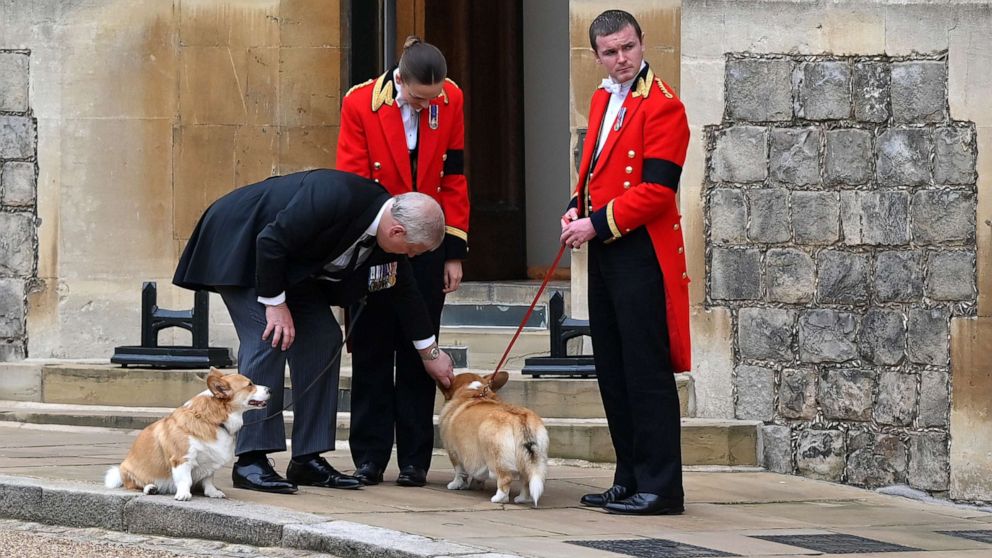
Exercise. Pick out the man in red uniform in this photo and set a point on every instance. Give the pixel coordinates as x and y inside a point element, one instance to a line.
<point>625,208</point>
<point>406,131</point>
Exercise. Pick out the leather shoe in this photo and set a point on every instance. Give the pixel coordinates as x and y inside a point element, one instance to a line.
<point>411,476</point>
<point>368,474</point>
<point>318,472</point>
<point>615,493</point>
<point>644,503</point>
<point>260,476</point>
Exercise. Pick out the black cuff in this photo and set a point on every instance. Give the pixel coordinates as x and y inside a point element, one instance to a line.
<point>455,248</point>
<point>573,203</point>
<point>602,226</point>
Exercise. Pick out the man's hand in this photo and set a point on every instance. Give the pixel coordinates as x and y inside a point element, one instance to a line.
<point>279,323</point>
<point>452,275</point>
<point>440,368</point>
<point>577,232</point>
<point>569,216</point>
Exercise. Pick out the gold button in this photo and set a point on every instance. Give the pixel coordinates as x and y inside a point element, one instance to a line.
<point>442,173</point>
<point>444,157</point>
<point>676,227</point>
<point>438,189</point>
<point>626,230</point>
<point>626,184</point>
<point>630,154</point>
<point>377,165</point>
<point>681,249</point>
<point>629,169</point>
<point>684,275</point>
<point>376,180</point>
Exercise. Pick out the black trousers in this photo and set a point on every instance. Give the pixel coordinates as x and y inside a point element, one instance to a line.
<point>384,404</point>
<point>631,351</point>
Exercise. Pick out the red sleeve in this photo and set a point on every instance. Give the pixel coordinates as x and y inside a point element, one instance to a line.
<point>353,149</point>
<point>666,139</point>
<point>454,196</point>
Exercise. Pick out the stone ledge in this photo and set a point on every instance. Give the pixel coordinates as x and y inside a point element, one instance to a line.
<point>87,505</point>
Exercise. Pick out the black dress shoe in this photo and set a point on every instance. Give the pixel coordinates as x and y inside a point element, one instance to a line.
<point>644,503</point>
<point>318,472</point>
<point>368,474</point>
<point>615,493</point>
<point>260,475</point>
<point>411,476</point>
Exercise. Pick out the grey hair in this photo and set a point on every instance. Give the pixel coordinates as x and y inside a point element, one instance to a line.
<point>421,216</point>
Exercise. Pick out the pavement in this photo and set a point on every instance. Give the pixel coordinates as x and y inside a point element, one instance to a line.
<point>53,475</point>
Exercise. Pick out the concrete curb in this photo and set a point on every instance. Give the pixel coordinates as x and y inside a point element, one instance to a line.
<point>75,504</point>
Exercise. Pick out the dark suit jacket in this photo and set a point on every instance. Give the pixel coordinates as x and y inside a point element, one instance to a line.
<point>279,232</point>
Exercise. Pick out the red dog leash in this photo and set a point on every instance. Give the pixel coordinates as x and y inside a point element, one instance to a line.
<point>547,277</point>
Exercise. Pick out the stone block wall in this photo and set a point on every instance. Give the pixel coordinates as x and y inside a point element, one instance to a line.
<point>840,217</point>
<point>18,187</point>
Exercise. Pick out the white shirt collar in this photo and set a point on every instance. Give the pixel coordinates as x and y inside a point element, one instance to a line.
<point>620,89</point>
<point>374,227</point>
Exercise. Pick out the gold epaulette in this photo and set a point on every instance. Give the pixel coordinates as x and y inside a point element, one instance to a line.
<point>451,81</point>
<point>354,87</point>
<point>664,90</point>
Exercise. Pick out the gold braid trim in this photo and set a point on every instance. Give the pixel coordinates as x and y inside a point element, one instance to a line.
<point>456,232</point>
<point>612,222</point>
<point>643,86</point>
<point>382,94</point>
<point>354,87</point>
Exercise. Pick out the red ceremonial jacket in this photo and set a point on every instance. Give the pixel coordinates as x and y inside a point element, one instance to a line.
<point>372,143</point>
<point>634,184</point>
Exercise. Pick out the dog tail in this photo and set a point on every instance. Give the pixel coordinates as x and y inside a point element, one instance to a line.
<point>113,478</point>
<point>536,466</point>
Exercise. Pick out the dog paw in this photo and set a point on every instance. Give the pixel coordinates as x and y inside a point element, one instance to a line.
<point>457,484</point>
<point>183,496</point>
<point>150,489</point>
<point>500,498</point>
<point>214,493</point>
<point>521,499</point>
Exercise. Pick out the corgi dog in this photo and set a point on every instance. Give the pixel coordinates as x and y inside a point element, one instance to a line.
<point>186,448</point>
<point>486,437</point>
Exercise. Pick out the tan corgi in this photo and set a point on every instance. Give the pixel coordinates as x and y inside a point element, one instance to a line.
<point>186,448</point>
<point>486,437</point>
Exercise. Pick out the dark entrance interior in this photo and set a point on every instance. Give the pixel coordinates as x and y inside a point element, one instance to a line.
<point>483,43</point>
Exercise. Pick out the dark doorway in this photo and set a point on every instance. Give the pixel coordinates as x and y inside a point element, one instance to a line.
<point>483,43</point>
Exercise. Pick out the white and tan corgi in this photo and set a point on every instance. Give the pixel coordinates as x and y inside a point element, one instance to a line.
<point>186,448</point>
<point>486,437</point>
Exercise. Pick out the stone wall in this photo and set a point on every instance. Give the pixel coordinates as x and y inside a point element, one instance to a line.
<point>18,183</point>
<point>147,111</point>
<point>841,204</point>
<point>865,276</point>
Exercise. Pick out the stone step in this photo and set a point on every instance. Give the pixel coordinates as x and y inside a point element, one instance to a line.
<point>94,384</point>
<point>704,441</point>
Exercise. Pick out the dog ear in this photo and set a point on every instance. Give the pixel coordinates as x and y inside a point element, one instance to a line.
<point>218,385</point>
<point>497,379</point>
<point>447,392</point>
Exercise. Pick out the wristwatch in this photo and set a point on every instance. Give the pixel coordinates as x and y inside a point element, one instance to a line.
<point>433,353</point>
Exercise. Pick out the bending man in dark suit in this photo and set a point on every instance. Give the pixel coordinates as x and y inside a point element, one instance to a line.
<point>280,253</point>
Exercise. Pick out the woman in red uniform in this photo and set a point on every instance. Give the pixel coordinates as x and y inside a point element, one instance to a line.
<point>405,130</point>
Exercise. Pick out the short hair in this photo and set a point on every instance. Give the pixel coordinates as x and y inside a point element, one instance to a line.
<point>610,22</point>
<point>422,62</point>
<point>421,216</point>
